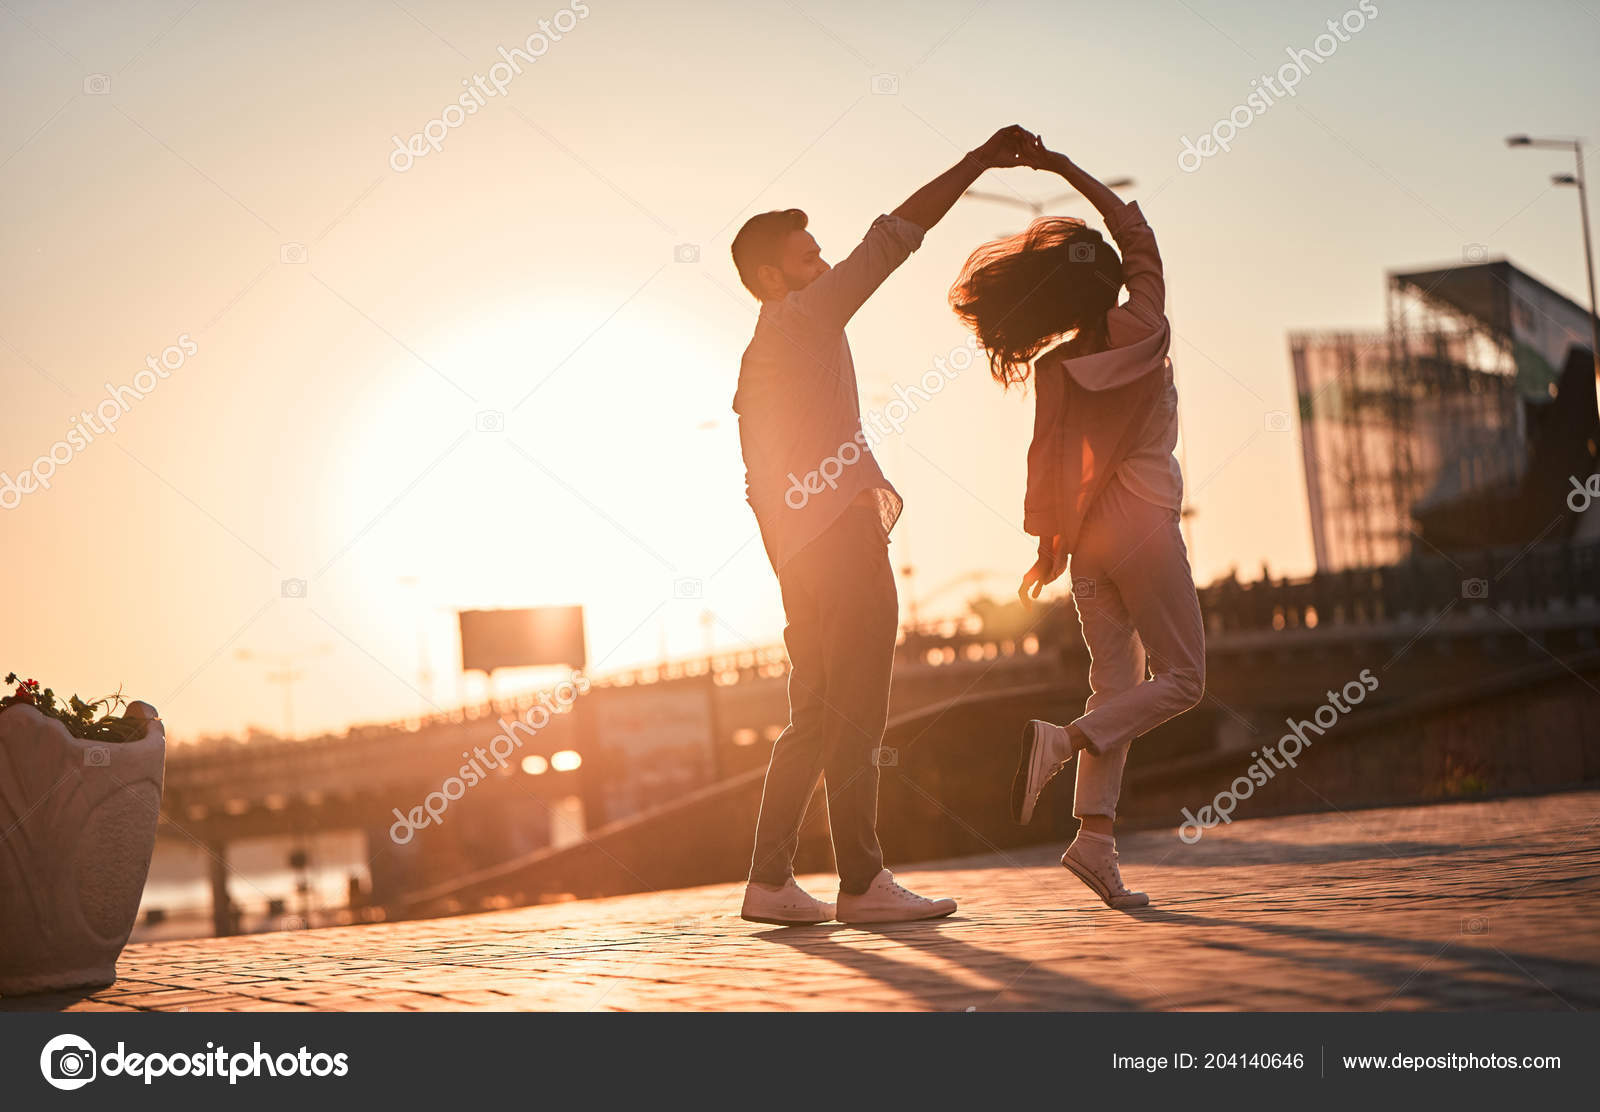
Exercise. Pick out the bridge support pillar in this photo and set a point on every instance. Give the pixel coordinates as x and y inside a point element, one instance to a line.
<point>222,913</point>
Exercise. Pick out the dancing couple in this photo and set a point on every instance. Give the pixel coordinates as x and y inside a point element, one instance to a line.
<point>1103,497</point>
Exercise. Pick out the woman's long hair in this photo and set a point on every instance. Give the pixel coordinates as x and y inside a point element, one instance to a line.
<point>1058,278</point>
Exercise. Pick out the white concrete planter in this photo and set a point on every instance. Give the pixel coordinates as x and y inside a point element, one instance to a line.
<point>77,828</point>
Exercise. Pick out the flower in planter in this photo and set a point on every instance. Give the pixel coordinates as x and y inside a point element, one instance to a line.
<point>82,719</point>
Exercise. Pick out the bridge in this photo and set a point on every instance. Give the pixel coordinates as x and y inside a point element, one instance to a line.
<point>1275,649</point>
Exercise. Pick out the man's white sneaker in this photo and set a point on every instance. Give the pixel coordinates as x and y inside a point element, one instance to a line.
<point>789,906</point>
<point>887,902</point>
<point>1045,749</point>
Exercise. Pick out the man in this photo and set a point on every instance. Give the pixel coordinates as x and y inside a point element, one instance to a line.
<point>825,511</point>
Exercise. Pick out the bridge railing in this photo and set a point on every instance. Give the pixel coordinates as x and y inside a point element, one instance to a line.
<point>1557,577</point>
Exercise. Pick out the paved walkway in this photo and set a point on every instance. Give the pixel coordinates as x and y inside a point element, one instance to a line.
<point>1481,905</point>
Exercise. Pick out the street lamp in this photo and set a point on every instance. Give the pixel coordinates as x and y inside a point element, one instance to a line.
<point>284,673</point>
<point>424,672</point>
<point>1576,146</point>
<point>1037,207</point>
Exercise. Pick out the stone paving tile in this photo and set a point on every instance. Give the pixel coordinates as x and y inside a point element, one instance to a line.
<point>1456,906</point>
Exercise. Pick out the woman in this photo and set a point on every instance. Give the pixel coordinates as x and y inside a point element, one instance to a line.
<point>1104,489</point>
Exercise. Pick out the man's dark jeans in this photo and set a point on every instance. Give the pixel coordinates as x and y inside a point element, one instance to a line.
<point>843,615</point>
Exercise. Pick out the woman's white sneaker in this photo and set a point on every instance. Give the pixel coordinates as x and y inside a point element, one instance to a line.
<point>887,902</point>
<point>789,906</point>
<point>1096,866</point>
<point>1045,749</point>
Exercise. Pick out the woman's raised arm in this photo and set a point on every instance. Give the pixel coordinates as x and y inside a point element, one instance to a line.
<point>1141,261</point>
<point>1107,203</point>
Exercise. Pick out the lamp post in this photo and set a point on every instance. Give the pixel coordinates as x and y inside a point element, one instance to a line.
<point>424,672</point>
<point>287,674</point>
<point>1576,146</point>
<point>1037,207</point>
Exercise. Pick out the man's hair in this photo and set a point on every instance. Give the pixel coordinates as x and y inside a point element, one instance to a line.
<point>760,243</point>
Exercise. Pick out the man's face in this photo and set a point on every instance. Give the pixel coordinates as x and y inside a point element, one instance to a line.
<point>801,262</point>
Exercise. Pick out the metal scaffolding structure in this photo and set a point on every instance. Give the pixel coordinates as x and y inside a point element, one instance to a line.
<point>1429,415</point>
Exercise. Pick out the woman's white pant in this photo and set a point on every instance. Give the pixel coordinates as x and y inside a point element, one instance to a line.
<point>1136,601</point>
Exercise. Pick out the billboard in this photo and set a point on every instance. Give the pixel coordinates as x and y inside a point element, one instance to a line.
<point>529,638</point>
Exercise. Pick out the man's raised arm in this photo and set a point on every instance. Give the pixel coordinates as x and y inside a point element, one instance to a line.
<point>927,206</point>
<point>836,295</point>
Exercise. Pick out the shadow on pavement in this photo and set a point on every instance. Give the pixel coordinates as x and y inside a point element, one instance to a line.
<point>1014,983</point>
<point>1237,852</point>
<point>1473,956</point>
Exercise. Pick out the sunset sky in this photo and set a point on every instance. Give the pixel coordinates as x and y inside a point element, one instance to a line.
<point>222,171</point>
